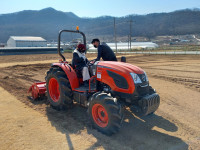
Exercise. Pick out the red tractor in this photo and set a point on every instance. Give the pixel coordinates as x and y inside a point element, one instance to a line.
<point>113,86</point>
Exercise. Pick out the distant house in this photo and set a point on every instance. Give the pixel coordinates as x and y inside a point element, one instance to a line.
<point>2,45</point>
<point>26,41</point>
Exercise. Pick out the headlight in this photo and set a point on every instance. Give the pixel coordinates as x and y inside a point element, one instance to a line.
<point>136,78</point>
<point>146,77</point>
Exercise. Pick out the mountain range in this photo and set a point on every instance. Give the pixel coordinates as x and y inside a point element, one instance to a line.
<point>47,23</point>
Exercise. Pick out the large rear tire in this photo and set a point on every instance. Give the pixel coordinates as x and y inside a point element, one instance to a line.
<point>59,91</point>
<point>106,114</point>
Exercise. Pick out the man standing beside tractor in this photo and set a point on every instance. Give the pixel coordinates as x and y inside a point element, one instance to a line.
<point>104,51</point>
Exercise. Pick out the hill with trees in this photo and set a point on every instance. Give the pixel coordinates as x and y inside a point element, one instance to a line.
<point>47,22</point>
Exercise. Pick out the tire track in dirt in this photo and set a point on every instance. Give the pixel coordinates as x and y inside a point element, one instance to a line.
<point>175,70</point>
<point>188,82</point>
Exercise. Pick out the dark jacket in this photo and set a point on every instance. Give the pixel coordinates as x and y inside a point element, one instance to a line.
<point>106,53</point>
<point>78,62</point>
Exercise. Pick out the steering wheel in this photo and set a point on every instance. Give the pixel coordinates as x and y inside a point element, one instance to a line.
<point>91,62</point>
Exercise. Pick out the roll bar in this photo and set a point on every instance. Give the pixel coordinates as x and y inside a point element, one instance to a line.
<point>73,31</point>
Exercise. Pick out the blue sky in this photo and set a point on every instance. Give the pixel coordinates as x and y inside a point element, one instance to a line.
<point>95,8</point>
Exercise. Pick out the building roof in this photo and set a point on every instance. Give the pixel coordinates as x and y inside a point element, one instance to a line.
<point>27,38</point>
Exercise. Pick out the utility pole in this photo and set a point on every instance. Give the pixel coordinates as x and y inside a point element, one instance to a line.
<point>71,34</point>
<point>130,21</point>
<point>128,41</point>
<point>130,32</point>
<point>115,35</point>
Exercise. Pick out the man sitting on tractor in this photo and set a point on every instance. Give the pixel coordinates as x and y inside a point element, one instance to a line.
<point>104,51</point>
<point>80,63</point>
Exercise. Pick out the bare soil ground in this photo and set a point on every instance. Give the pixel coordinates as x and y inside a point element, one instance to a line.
<point>28,124</point>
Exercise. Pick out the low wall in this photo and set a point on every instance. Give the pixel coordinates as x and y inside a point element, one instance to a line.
<point>28,50</point>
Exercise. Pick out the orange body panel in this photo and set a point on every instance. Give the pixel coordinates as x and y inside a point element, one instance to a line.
<point>123,69</point>
<point>71,74</point>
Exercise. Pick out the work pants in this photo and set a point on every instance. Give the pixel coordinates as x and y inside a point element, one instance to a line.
<point>85,74</point>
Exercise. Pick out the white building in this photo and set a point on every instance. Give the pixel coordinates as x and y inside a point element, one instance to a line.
<point>26,41</point>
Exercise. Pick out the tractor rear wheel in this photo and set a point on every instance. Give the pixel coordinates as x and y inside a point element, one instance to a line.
<point>59,91</point>
<point>106,114</point>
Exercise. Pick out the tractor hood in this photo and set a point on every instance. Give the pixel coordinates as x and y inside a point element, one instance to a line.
<point>120,66</point>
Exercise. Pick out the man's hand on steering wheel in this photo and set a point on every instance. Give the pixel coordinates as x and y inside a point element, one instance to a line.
<point>91,62</point>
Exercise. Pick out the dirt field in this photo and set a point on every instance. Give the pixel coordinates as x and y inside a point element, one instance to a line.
<point>27,124</point>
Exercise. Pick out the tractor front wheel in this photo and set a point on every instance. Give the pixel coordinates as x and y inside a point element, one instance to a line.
<point>106,114</point>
